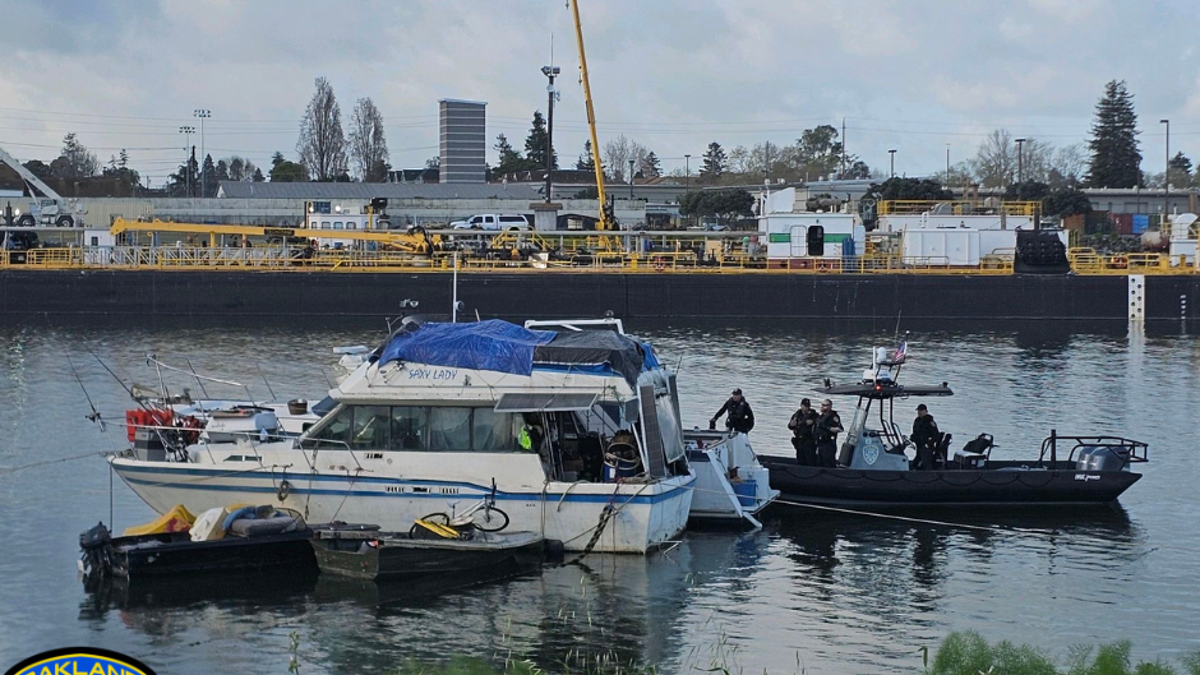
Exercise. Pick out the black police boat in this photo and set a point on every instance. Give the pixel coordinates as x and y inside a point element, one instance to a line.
<point>874,469</point>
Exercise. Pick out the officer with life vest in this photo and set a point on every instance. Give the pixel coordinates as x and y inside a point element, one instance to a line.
<point>925,437</point>
<point>741,417</point>
<point>829,425</point>
<point>804,434</point>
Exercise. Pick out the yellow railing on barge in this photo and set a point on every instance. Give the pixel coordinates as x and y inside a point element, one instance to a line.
<point>1084,261</point>
<point>268,258</point>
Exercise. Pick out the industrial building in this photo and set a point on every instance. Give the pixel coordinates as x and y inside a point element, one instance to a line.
<point>463,141</point>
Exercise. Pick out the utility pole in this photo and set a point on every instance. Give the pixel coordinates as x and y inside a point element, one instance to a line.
<point>550,72</point>
<point>1167,174</point>
<point>1020,160</point>
<point>687,173</point>
<point>892,154</point>
<point>843,174</point>
<point>187,132</point>
<point>631,180</point>
<point>203,114</point>
<point>947,162</point>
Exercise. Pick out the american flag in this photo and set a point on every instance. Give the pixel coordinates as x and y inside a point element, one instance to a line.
<point>900,354</point>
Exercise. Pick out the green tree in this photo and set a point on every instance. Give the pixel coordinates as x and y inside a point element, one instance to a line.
<point>651,167</point>
<point>714,163</point>
<point>511,161</point>
<point>75,161</point>
<point>1066,201</point>
<point>258,175</point>
<point>1179,171</point>
<point>586,161</point>
<point>535,144</point>
<point>724,205</point>
<point>910,188</point>
<point>39,168</point>
<point>1029,191</point>
<point>1116,159</point>
<point>288,172</point>
<point>817,152</point>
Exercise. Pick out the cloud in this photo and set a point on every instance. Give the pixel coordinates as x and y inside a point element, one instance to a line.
<point>671,74</point>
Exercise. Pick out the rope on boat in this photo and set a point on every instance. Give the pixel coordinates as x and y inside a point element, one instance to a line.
<point>47,462</point>
<point>910,519</point>
<point>605,516</point>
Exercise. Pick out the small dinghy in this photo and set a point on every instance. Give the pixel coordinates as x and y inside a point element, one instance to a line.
<point>248,539</point>
<point>428,551</point>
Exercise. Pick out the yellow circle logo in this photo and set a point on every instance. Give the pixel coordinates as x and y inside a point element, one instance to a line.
<point>80,661</point>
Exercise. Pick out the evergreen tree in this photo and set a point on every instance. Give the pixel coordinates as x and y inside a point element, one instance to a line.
<point>535,144</point>
<point>1179,170</point>
<point>713,166</point>
<point>651,167</point>
<point>511,161</point>
<point>1116,160</point>
<point>208,175</point>
<point>586,162</point>
<point>258,175</point>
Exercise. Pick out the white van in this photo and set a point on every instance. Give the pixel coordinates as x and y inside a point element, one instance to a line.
<point>492,221</point>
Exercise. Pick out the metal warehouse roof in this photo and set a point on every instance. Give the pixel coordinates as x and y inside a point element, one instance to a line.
<point>366,191</point>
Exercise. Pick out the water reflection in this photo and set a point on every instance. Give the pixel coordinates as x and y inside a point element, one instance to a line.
<point>839,592</point>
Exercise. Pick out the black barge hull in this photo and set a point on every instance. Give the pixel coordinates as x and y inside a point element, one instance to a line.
<point>533,294</point>
<point>1001,483</point>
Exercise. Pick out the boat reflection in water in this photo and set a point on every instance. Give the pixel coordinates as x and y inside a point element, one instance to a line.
<point>608,608</point>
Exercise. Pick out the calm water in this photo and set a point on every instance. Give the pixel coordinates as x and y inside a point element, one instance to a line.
<point>817,591</point>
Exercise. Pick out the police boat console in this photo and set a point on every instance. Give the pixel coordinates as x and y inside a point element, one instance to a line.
<point>878,464</point>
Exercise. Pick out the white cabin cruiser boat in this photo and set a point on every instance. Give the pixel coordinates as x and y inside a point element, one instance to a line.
<point>578,430</point>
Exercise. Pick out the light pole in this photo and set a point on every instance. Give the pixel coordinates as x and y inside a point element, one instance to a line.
<point>1167,172</point>
<point>203,114</point>
<point>550,72</point>
<point>1020,160</point>
<point>687,173</point>
<point>892,157</point>
<point>947,162</point>
<point>187,132</point>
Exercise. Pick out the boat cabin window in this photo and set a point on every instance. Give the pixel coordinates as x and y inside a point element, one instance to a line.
<point>408,428</point>
<point>419,428</point>
<point>449,428</point>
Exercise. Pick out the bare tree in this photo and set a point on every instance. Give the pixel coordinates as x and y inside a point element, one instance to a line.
<point>322,146</point>
<point>1037,160</point>
<point>739,160</point>
<point>996,162</point>
<point>617,154</point>
<point>1069,165</point>
<point>368,144</point>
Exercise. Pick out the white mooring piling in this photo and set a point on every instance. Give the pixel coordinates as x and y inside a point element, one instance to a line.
<point>1137,298</point>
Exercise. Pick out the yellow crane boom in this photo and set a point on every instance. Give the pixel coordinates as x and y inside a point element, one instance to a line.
<point>606,222</point>
<point>413,242</point>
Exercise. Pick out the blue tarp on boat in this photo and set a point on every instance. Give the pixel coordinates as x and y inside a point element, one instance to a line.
<point>508,348</point>
<point>484,345</point>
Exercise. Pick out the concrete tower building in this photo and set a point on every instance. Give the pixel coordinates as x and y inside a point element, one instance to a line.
<point>463,145</point>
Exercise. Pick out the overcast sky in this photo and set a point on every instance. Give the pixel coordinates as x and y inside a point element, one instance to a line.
<point>672,75</point>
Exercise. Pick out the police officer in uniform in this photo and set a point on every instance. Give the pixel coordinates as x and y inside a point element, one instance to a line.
<point>804,434</point>
<point>828,426</point>
<point>741,417</point>
<point>925,436</point>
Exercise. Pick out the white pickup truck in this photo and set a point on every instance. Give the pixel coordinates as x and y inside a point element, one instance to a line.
<point>492,221</point>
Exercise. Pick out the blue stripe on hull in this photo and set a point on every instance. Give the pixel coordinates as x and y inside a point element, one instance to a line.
<point>297,481</point>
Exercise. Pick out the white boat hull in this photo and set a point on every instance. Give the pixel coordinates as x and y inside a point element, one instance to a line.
<point>645,515</point>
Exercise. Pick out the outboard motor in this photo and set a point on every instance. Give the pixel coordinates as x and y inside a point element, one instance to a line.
<point>1103,458</point>
<point>97,560</point>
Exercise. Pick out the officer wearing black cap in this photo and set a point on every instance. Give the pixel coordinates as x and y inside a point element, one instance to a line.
<point>925,437</point>
<point>741,417</point>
